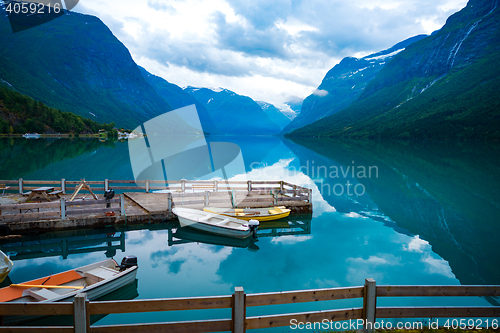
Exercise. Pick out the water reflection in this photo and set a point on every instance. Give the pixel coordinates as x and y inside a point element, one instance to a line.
<point>429,216</point>
<point>445,193</point>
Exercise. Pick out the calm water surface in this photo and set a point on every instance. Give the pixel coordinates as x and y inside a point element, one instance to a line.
<point>401,213</point>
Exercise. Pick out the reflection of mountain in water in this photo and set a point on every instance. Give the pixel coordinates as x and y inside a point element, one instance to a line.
<point>21,157</point>
<point>446,193</point>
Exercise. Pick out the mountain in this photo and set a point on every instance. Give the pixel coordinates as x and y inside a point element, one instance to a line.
<point>275,114</point>
<point>442,87</point>
<point>344,83</point>
<point>20,114</point>
<point>293,108</point>
<point>234,114</point>
<point>178,98</point>
<point>74,63</point>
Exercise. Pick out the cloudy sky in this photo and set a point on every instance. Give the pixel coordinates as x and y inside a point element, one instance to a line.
<point>270,50</point>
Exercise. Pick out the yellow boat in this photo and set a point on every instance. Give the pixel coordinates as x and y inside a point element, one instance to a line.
<point>259,214</point>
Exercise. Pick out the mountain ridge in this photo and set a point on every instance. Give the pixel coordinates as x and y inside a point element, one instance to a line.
<point>443,86</point>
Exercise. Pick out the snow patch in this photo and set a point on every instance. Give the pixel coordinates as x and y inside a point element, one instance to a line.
<point>384,56</point>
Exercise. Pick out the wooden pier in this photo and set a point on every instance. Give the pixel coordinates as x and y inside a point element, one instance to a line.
<point>137,203</point>
<point>341,319</point>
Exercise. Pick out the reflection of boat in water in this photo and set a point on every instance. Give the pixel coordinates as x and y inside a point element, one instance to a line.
<point>5,266</point>
<point>95,280</point>
<point>188,235</point>
<point>214,223</point>
<point>259,214</point>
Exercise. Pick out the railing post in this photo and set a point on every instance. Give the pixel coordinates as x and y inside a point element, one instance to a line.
<point>249,186</point>
<point>63,208</point>
<point>20,186</point>
<point>169,202</point>
<point>310,195</point>
<point>369,304</point>
<point>122,204</point>
<point>183,185</point>
<point>239,311</point>
<point>206,198</point>
<point>281,186</point>
<point>233,199</point>
<point>216,185</point>
<point>147,185</point>
<point>106,184</point>
<point>63,186</point>
<point>294,190</point>
<point>80,314</point>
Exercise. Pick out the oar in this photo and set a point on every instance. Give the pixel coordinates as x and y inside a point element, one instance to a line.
<point>45,286</point>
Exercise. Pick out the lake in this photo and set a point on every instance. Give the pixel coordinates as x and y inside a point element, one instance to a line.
<point>403,213</point>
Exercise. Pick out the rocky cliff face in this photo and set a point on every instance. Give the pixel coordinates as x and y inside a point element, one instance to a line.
<point>463,40</point>
<point>76,64</point>
<point>443,86</point>
<point>343,84</point>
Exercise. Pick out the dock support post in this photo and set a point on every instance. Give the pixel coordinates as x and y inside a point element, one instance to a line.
<point>239,311</point>
<point>169,202</point>
<point>369,304</point>
<point>249,186</point>
<point>122,204</point>
<point>63,186</point>
<point>147,185</point>
<point>63,208</point>
<point>80,314</point>
<point>206,198</point>
<point>106,184</point>
<point>20,186</point>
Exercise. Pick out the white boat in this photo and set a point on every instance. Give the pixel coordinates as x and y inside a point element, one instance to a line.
<point>32,136</point>
<point>215,223</point>
<point>96,280</point>
<point>5,266</point>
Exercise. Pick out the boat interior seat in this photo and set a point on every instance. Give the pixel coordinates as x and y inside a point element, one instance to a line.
<point>101,273</point>
<point>204,218</point>
<point>41,294</point>
<point>224,221</point>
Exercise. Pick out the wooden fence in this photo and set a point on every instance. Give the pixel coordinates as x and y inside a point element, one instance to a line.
<point>45,210</point>
<point>81,309</point>
<point>256,187</point>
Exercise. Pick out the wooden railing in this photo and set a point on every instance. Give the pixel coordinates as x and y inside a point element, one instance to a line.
<point>364,316</point>
<point>284,188</point>
<point>35,211</point>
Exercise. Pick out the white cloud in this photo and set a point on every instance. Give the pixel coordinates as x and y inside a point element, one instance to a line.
<point>320,93</point>
<point>269,51</point>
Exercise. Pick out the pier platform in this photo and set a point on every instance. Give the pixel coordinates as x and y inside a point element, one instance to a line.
<point>136,205</point>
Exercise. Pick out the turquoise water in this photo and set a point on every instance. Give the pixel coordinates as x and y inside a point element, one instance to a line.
<point>401,213</point>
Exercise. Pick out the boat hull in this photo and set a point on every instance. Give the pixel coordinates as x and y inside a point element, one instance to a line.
<point>93,291</point>
<point>262,217</point>
<point>214,229</point>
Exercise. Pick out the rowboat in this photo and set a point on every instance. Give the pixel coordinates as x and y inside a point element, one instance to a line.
<point>259,214</point>
<point>5,266</point>
<point>215,223</point>
<point>96,280</point>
